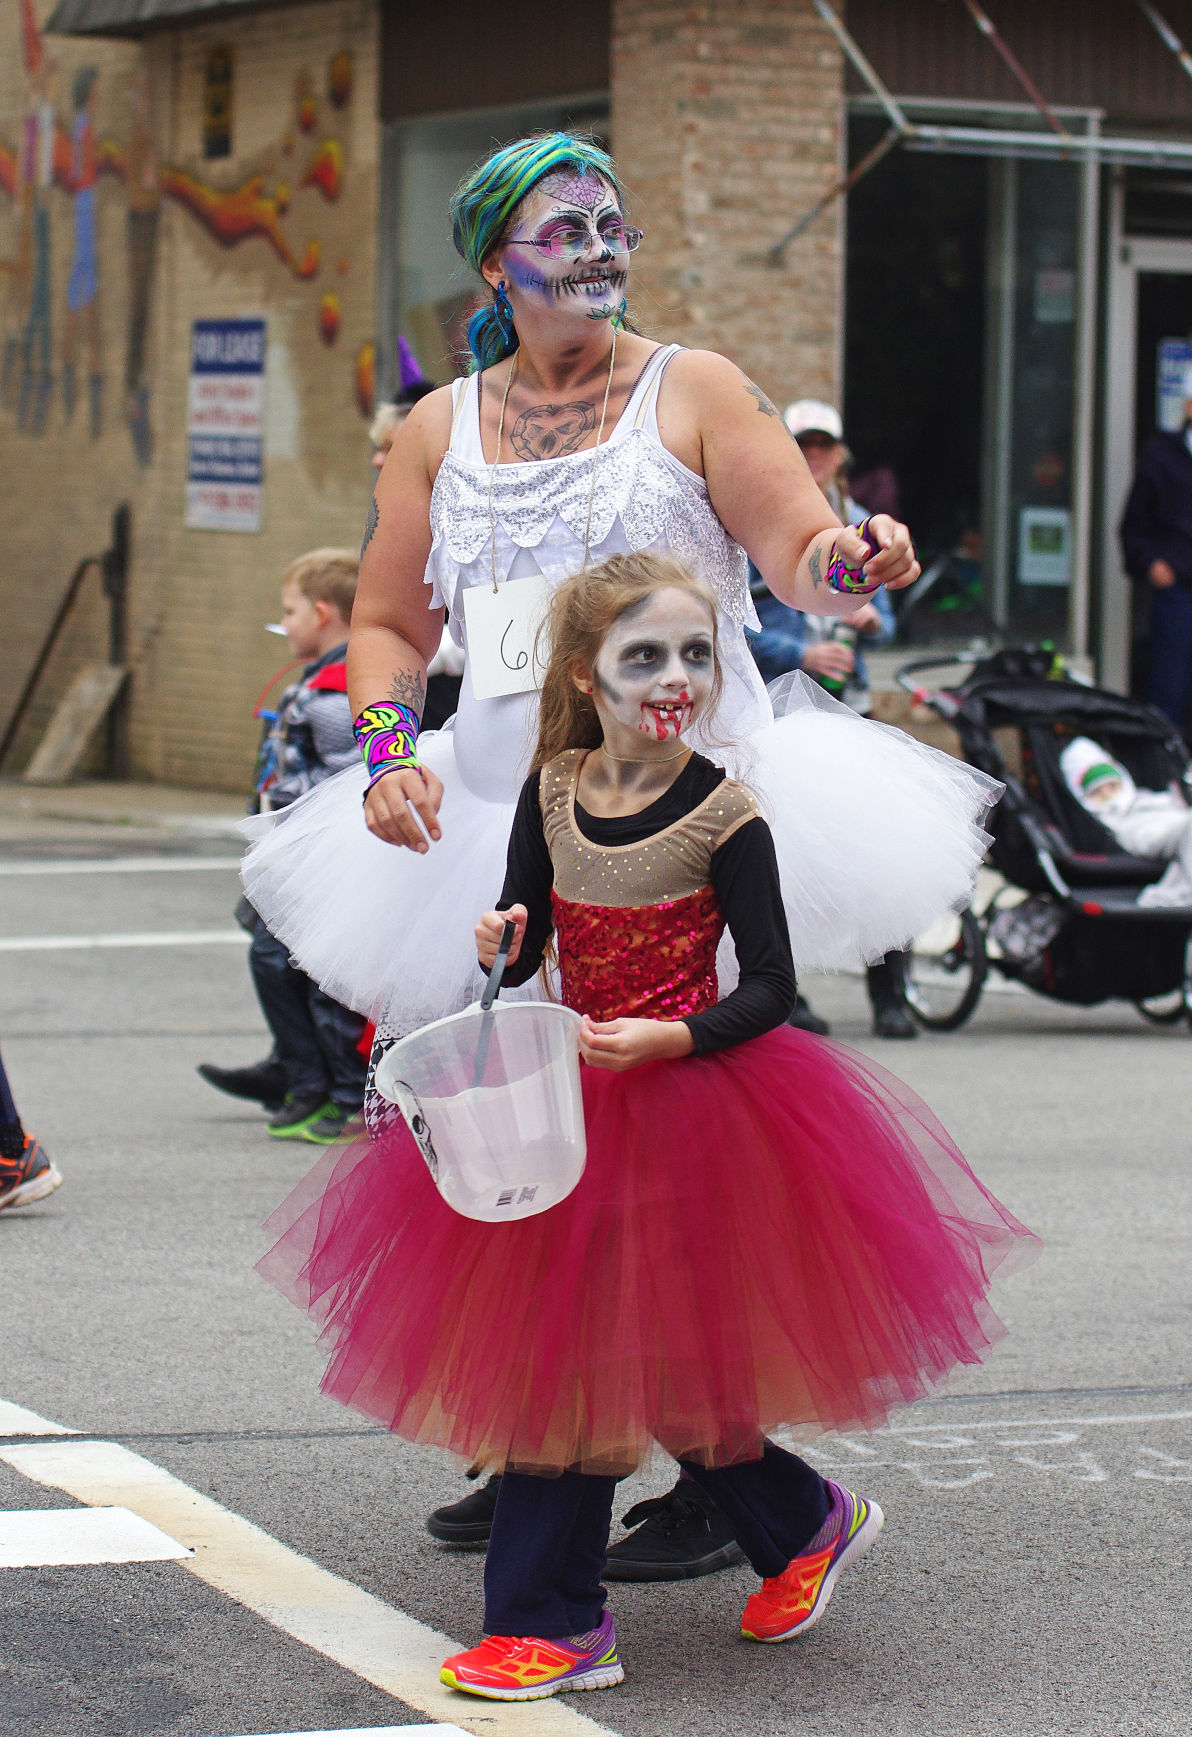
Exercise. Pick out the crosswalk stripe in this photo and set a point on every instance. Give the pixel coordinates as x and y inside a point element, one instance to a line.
<point>71,1537</point>
<point>384,1646</point>
<point>118,865</point>
<point>150,938</point>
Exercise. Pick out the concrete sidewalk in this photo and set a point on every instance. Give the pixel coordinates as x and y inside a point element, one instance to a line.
<point>135,807</point>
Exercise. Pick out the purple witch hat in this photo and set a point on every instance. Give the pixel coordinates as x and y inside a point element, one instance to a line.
<point>412,382</point>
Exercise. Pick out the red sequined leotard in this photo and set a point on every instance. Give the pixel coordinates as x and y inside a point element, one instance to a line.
<point>638,904</point>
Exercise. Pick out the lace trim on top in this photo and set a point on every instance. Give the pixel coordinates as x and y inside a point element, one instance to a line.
<point>542,506</point>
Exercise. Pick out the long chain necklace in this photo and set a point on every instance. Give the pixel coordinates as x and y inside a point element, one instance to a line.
<point>492,475</point>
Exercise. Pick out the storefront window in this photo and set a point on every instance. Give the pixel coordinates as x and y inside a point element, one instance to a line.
<point>965,280</point>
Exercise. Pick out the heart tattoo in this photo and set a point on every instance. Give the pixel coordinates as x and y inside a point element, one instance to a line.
<point>551,430</point>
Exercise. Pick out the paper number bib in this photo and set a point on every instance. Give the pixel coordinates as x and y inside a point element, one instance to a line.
<point>502,632</point>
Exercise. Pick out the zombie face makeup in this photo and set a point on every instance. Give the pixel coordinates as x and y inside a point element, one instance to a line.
<point>653,673</point>
<point>570,246</point>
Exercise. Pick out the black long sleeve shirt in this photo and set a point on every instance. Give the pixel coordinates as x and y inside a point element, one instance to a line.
<point>743,874</point>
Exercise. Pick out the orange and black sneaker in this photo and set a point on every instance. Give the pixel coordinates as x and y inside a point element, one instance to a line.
<point>792,1602</point>
<point>30,1176</point>
<point>505,1668</point>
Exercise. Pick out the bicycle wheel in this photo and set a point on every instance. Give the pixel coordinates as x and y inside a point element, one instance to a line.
<point>946,971</point>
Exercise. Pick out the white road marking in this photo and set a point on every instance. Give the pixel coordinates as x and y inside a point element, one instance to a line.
<point>16,1420</point>
<point>71,1537</point>
<point>152,938</point>
<point>1036,1422</point>
<point>377,1731</point>
<point>338,1619</point>
<point>120,865</point>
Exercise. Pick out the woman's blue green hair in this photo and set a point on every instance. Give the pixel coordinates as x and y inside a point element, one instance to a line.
<point>487,198</point>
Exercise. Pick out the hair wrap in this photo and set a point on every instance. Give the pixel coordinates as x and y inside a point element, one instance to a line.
<point>486,199</point>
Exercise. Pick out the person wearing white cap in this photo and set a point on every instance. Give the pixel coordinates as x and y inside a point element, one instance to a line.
<point>792,639</point>
<point>1156,533</point>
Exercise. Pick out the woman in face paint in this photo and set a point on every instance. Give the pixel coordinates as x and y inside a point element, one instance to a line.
<point>544,225</point>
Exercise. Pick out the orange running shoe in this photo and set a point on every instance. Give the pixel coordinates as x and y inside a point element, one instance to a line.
<point>507,1668</point>
<point>792,1602</point>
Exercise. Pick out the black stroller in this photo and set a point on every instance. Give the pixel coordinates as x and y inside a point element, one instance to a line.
<point>1081,934</point>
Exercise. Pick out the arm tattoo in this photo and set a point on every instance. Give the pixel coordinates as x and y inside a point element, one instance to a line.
<point>815,563</point>
<point>764,404</point>
<point>370,524</point>
<point>408,689</point>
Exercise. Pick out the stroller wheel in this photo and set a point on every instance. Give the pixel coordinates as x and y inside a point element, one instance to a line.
<point>1163,1009</point>
<point>946,970</point>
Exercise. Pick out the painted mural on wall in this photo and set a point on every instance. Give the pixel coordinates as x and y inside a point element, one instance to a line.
<point>60,156</point>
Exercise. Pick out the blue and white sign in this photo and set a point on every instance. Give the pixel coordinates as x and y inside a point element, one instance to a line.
<point>224,421</point>
<point>1175,359</point>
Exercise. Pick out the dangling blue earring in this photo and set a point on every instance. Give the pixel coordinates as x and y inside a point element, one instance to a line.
<point>619,316</point>
<point>504,307</point>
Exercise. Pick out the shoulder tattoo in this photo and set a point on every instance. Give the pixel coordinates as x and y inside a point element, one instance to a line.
<point>764,404</point>
<point>370,523</point>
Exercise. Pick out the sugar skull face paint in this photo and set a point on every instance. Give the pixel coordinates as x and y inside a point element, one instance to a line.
<point>653,673</point>
<point>570,246</point>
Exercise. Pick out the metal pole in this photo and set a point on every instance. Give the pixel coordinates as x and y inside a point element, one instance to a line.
<point>1084,359</point>
<point>46,652</point>
<point>1168,35</point>
<point>897,117</point>
<point>986,26</point>
<point>845,185</point>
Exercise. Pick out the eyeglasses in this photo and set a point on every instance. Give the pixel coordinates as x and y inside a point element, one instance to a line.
<point>571,242</point>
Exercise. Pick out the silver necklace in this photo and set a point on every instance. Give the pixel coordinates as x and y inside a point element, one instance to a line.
<point>492,475</point>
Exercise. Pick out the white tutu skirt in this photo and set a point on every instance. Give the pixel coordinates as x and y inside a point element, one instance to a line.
<point>875,833</point>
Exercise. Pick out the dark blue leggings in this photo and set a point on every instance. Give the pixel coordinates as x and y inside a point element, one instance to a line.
<point>1171,652</point>
<point>550,1536</point>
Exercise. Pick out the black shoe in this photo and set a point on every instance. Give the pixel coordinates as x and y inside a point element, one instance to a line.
<point>468,1521</point>
<point>803,1019</point>
<point>29,1177</point>
<point>295,1116</point>
<point>335,1123</point>
<point>681,1536</point>
<point>893,1020</point>
<point>264,1083</point>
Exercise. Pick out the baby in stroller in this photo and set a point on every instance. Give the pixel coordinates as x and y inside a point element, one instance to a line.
<point>1148,823</point>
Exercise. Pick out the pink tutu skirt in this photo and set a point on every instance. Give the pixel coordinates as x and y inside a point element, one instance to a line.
<point>777,1235</point>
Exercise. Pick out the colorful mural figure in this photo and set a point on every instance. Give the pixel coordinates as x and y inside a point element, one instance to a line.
<point>82,289</point>
<point>49,156</point>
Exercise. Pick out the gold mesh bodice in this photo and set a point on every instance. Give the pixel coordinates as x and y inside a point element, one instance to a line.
<point>673,864</point>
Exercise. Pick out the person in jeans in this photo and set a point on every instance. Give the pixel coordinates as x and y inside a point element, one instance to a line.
<point>313,1081</point>
<point>1156,534</point>
<point>791,639</point>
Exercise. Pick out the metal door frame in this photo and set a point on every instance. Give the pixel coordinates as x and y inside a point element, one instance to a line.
<point>1127,257</point>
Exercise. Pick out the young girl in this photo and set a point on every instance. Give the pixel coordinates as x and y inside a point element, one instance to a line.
<point>769,1232</point>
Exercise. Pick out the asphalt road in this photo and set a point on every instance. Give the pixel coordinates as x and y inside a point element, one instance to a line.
<point>1033,1578</point>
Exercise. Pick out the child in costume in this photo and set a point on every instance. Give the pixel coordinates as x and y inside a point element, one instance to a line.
<point>769,1230</point>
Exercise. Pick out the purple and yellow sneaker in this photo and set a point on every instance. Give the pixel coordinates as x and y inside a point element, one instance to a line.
<point>792,1602</point>
<point>508,1668</point>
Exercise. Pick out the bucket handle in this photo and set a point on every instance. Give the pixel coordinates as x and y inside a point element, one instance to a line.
<point>489,997</point>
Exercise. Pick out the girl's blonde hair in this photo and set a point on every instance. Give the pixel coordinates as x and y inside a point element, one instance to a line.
<point>582,611</point>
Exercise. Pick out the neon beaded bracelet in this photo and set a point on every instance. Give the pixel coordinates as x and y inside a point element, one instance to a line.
<point>843,576</point>
<point>388,736</point>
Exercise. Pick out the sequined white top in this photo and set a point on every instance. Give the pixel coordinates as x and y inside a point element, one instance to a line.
<point>644,498</point>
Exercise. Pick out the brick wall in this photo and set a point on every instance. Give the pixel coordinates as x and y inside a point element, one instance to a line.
<point>726,121</point>
<point>199,599</point>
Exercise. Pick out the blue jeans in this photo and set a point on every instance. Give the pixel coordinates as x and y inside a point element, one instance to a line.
<point>1171,652</point>
<point>315,1037</point>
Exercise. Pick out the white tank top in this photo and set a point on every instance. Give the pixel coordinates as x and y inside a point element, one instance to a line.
<point>644,498</point>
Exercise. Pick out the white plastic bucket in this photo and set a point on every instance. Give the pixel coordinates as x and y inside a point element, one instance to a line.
<point>493,1100</point>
